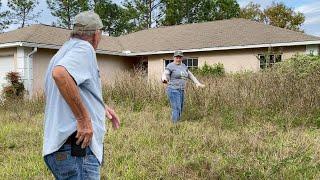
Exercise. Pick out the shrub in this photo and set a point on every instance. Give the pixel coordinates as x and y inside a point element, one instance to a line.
<point>213,70</point>
<point>15,88</point>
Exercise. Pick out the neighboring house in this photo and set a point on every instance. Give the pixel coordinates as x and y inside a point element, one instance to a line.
<point>236,43</point>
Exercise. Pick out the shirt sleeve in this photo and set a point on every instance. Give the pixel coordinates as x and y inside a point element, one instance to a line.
<point>169,68</point>
<point>78,62</point>
<point>166,75</point>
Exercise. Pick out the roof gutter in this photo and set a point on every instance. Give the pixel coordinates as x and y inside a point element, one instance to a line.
<point>53,46</point>
<point>11,44</point>
<point>128,53</point>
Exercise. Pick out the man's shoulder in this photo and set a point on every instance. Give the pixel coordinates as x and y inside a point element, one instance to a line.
<point>79,45</point>
<point>85,45</point>
<point>170,65</point>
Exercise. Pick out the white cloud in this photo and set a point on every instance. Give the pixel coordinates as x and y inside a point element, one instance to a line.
<point>311,12</point>
<point>311,8</point>
<point>263,3</point>
<point>313,20</point>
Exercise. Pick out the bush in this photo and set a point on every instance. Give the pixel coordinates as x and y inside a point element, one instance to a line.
<point>211,70</point>
<point>15,88</point>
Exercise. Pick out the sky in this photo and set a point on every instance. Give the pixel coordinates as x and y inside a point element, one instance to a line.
<point>310,8</point>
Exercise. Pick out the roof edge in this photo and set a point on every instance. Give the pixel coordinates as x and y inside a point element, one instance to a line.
<point>228,48</point>
<point>100,51</point>
<point>54,46</point>
<point>11,44</point>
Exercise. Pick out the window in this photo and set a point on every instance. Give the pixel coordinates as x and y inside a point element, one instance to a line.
<point>269,62</point>
<point>311,52</point>
<point>166,62</point>
<point>189,62</point>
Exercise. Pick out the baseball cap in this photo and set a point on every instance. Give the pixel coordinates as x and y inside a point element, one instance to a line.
<point>87,21</point>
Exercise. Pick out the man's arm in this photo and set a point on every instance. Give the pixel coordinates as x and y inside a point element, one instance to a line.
<point>165,76</point>
<point>70,92</point>
<point>194,79</point>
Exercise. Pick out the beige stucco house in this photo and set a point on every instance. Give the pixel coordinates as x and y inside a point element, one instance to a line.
<point>238,44</point>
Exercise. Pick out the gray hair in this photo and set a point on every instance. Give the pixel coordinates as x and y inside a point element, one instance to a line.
<point>82,33</point>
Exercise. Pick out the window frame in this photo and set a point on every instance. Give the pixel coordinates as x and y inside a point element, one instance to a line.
<point>193,59</point>
<point>273,60</point>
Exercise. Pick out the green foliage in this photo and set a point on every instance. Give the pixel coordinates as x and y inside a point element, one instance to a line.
<point>302,66</point>
<point>278,14</point>
<point>4,19</point>
<point>66,10</point>
<point>194,11</point>
<point>21,11</point>
<point>143,13</point>
<point>214,70</point>
<point>116,19</point>
<point>253,12</point>
<point>15,89</point>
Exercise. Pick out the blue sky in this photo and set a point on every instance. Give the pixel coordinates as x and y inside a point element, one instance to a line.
<point>310,8</point>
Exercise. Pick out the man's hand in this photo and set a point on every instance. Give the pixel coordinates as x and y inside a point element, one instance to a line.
<point>113,117</point>
<point>200,85</point>
<point>164,81</point>
<point>84,132</point>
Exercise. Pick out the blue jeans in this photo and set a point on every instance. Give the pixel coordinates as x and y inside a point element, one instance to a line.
<point>176,98</point>
<point>64,166</point>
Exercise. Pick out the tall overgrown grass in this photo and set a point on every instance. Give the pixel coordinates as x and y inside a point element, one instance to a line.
<point>287,94</point>
<point>261,125</point>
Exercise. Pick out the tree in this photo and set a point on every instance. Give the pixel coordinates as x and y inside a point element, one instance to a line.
<point>116,19</point>
<point>194,11</point>
<point>21,11</point>
<point>66,10</point>
<point>226,9</point>
<point>253,12</point>
<point>4,20</point>
<point>278,14</point>
<point>144,13</point>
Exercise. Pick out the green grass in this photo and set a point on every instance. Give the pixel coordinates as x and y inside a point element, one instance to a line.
<point>149,146</point>
<point>261,125</point>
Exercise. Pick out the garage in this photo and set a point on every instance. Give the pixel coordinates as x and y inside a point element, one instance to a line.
<point>6,65</point>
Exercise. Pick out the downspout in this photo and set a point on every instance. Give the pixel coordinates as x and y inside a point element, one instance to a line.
<point>29,64</point>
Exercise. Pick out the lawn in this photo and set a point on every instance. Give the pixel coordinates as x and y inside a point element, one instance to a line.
<point>245,126</point>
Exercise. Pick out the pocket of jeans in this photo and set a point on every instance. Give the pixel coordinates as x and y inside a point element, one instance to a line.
<point>65,164</point>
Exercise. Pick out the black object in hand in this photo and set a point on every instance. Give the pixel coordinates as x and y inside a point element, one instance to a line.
<point>76,150</point>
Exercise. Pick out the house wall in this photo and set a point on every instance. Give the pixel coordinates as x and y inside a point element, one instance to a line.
<point>9,52</point>
<point>40,64</point>
<point>8,63</point>
<point>233,60</point>
<point>109,65</point>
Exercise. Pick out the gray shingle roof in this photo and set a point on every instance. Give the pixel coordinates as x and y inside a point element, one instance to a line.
<point>223,33</point>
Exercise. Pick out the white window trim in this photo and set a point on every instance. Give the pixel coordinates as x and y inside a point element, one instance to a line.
<point>274,55</point>
<point>193,58</point>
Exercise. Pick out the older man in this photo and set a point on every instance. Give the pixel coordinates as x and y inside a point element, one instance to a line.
<point>75,112</point>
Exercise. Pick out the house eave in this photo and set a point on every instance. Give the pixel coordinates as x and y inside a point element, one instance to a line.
<point>101,51</point>
<point>228,48</point>
<point>11,44</point>
<point>53,46</point>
